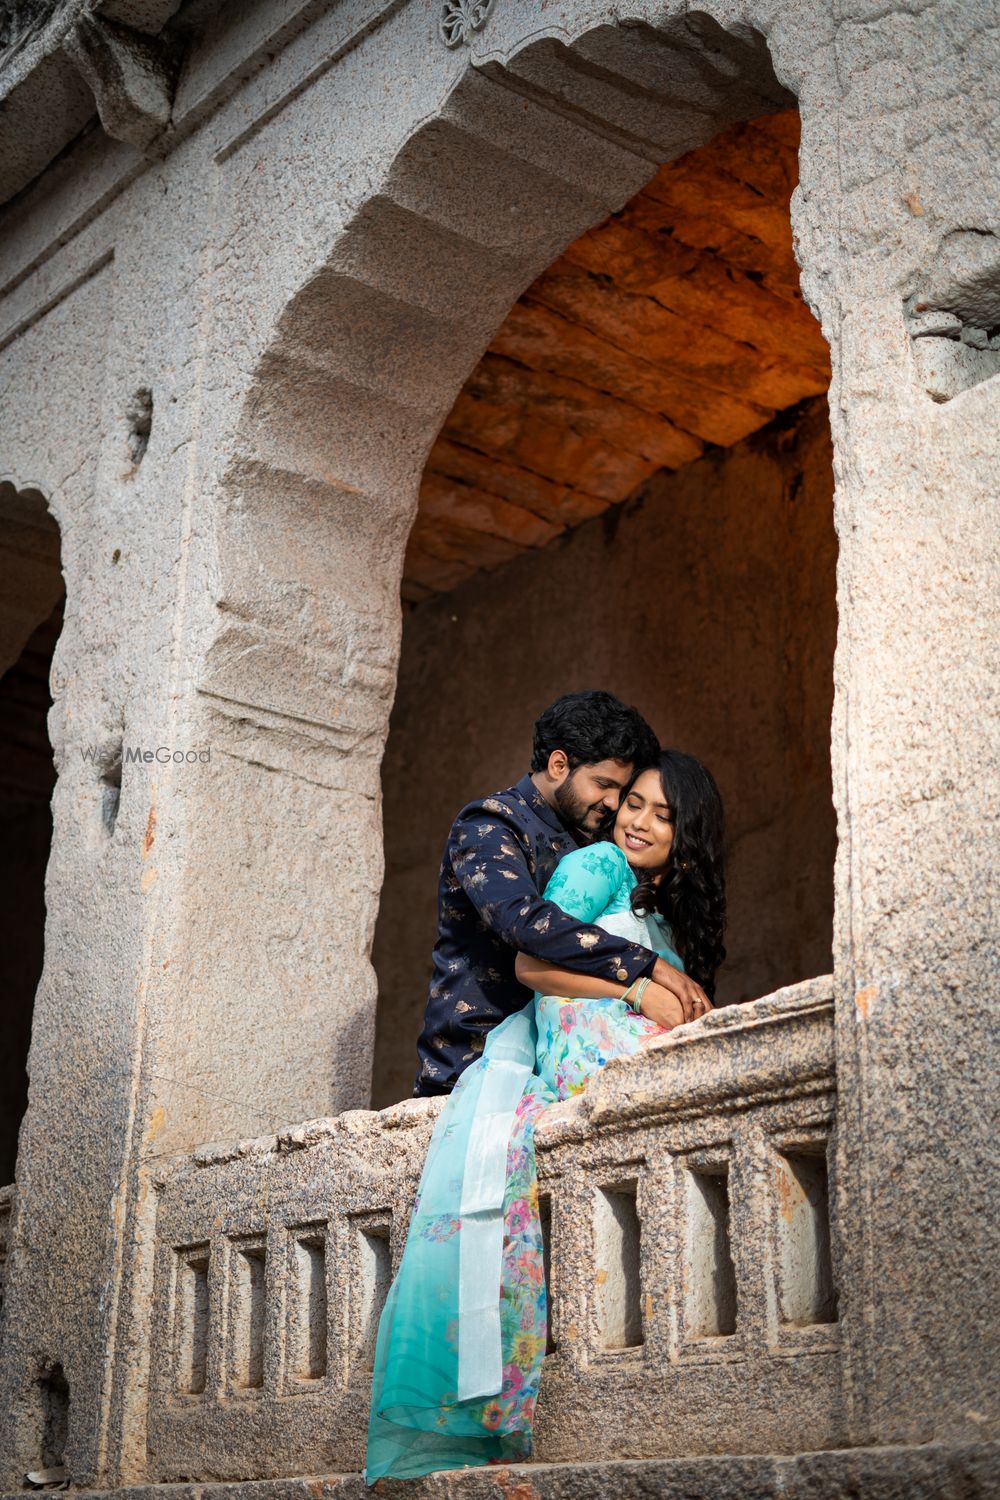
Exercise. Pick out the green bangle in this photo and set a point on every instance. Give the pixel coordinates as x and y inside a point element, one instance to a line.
<point>637,1002</point>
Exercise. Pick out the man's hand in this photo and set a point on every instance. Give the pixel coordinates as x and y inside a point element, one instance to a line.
<point>691,997</point>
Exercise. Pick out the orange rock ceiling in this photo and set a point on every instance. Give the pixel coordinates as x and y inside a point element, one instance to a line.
<point>676,324</point>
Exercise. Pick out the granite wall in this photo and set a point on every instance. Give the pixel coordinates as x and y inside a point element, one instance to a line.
<point>299,242</point>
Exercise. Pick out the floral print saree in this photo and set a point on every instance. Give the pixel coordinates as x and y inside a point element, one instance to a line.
<point>463,1332</point>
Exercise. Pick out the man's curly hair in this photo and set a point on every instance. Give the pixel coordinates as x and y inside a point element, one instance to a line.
<point>591,727</point>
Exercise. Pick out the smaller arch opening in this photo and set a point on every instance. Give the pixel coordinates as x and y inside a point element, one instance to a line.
<point>31,617</point>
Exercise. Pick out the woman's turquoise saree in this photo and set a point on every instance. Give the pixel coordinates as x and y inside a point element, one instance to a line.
<point>462,1335</point>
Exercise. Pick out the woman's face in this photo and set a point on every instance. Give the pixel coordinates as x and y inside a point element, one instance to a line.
<point>644,827</point>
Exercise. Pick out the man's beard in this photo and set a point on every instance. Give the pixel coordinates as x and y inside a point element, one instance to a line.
<point>575,812</point>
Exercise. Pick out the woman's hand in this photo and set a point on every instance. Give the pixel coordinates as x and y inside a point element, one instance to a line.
<point>659,1005</point>
<point>670,999</point>
<point>691,997</point>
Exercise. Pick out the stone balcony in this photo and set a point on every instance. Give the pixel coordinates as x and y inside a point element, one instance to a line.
<point>685,1195</point>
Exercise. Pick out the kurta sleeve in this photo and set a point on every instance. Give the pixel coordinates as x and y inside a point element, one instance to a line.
<point>489,862</point>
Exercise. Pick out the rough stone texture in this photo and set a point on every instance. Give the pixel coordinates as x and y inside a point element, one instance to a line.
<point>61,59</point>
<point>930,1472</point>
<point>6,1206</point>
<point>131,78</point>
<point>710,601</point>
<point>345,211</point>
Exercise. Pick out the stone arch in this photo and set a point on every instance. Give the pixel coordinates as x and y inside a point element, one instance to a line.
<point>633,490</point>
<point>31,611</point>
<point>542,140</point>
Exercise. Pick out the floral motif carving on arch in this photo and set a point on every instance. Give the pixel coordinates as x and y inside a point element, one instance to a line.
<point>461,18</point>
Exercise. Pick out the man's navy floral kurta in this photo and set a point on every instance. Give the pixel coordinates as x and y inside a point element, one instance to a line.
<point>498,859</point>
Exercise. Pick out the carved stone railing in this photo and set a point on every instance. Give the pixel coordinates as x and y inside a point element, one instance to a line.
<point>693,1286</point>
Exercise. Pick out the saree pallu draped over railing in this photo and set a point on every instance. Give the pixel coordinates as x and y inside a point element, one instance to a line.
<point>439,1351</point>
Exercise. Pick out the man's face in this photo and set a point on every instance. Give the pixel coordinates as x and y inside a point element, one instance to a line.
<point>590,794</point>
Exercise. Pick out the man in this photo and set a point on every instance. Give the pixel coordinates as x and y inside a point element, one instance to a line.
<point>500,854</point>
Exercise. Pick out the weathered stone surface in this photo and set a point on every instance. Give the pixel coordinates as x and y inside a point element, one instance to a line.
<point>131,77</point>
<point>930,1472</point>
<point>948,366</point>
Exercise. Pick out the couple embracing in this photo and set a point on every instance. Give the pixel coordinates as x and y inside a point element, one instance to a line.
<point>581,917</point>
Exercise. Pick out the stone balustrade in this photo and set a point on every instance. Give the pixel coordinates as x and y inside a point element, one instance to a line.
<point>685,1198</point>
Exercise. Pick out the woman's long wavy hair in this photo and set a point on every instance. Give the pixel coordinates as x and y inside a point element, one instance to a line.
<point>692,894</point>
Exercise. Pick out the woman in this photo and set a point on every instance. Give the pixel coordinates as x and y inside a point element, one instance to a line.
<point>463,1332</point>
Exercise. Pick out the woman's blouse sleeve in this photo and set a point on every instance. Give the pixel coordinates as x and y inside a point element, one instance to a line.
<point>586,882</point>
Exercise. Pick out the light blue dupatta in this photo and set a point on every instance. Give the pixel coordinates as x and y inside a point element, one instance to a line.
<point>441,1320</point>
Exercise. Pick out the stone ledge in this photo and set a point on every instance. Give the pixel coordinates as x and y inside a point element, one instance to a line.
<point>736,1057</point>
<point>644,1084</point>
<point>931,1471</point>
<point>361,1123</point>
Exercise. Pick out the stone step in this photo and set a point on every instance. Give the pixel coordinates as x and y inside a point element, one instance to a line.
<point>931,1471</point>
